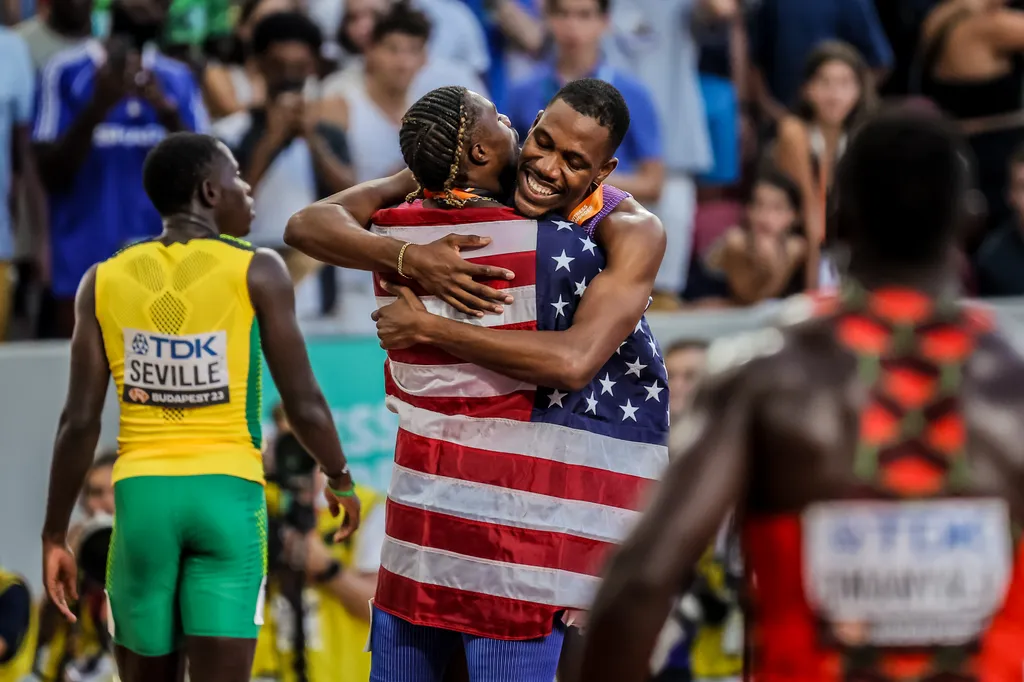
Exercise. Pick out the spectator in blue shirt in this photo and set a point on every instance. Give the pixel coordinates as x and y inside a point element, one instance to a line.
<point>578,28</point>
<point>517,39</point>
<point>784,32</point>
<point>17,167</point>
<point>101,109</point>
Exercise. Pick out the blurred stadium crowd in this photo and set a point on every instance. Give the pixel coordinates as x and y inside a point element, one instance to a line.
<point>740,111</point>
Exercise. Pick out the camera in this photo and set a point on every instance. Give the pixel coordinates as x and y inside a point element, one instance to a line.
<point>294,475</point>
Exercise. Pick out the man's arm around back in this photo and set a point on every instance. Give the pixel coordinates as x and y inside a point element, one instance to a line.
<point>634,242</point>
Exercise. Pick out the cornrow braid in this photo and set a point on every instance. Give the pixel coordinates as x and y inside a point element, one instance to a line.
<point>453,173</point>
<point>432,139</point>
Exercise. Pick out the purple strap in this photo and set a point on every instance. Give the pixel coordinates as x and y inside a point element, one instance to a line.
<point>613,196</point>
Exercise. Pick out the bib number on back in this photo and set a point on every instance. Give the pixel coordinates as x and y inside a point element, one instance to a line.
<point>897,574</point>
<point>186,371</point>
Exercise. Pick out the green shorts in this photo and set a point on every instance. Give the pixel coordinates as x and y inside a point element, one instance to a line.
<point>188,557</point>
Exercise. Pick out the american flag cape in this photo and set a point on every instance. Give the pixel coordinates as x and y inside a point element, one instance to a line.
<point>505,496</point>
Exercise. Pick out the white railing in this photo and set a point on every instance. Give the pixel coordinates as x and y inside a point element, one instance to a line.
<point>33,381</point>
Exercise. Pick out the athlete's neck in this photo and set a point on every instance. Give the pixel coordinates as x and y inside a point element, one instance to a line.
<point>391,101</point>
<point>938,280</point>
<point>186,226</point>
<point>572,65</point>
<point>472,197</point>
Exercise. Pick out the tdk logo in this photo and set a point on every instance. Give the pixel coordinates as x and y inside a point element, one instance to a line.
<point>917,533</point>
<point>175,348</point>
<point>140,346</point>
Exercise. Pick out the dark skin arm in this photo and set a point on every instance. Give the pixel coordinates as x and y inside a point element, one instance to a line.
<point>273,299</point>
<point>334,231</point>
<point>283,121</point>
<point>634,242</point>
<point>77,434</point>
<point>167,111</point>
<point>707,477</point>
<point>335,174</point>
<point>59,161</point>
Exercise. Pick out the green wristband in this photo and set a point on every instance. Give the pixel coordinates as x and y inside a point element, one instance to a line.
<point>351,492</point>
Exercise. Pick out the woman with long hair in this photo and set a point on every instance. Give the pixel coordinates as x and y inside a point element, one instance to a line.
<point>761,259</point>
<point>837,91</point>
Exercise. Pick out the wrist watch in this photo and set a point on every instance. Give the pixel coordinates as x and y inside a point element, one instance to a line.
<point>343,474</point>
<point>329,573</point>
<point>347,487</point>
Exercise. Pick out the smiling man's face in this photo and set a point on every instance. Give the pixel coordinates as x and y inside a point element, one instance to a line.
<point>564,156</point>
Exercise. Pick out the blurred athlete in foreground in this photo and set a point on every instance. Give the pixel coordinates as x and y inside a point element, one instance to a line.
<point>182,321</point>
<point>873,450</point>
<point>516,468</point>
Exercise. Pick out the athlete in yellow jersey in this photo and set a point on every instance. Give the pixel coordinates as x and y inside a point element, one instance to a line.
<point>181,322</point>
<point>17,628</point>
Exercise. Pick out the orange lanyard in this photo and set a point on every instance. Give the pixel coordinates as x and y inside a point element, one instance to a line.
<point>465,195</point>
<point>589,207</point>
<point>586,210</point>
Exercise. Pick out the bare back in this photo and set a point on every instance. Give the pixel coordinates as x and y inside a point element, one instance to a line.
<point>884,496</point>
<point>804,446</point>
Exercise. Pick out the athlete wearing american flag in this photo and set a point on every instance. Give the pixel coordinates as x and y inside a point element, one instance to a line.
<point>505,495</point>
<point>526,434</point>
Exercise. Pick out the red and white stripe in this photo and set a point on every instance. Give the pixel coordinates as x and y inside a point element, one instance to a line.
<point>494,523</point>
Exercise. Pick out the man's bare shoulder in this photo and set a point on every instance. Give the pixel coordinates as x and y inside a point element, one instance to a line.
<point>630,209</point>
<point>631,217</point>
<point>779,352</point>
<point>746,360</point>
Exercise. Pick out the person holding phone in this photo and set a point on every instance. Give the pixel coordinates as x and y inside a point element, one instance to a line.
<point>101,108</point>
<point>288,153</point>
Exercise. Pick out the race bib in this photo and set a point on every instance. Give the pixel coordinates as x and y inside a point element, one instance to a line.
<point>907,573</point>
<point>184,371</point>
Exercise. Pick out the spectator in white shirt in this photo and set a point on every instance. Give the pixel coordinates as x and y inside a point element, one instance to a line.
<point>370,106</point>
<point>355,37</point>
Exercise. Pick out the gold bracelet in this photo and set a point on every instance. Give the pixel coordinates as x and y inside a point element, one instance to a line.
<point>401,258</point>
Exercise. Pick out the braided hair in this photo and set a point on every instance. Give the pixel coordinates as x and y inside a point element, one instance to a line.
<point>432,137</point>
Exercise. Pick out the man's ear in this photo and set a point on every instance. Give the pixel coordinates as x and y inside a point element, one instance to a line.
<point>606,169</point>
<point>535,121</point>
<point>478,155</point>
<point>209,194</point>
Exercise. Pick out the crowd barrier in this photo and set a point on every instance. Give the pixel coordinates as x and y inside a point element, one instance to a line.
<point>33,382</point>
